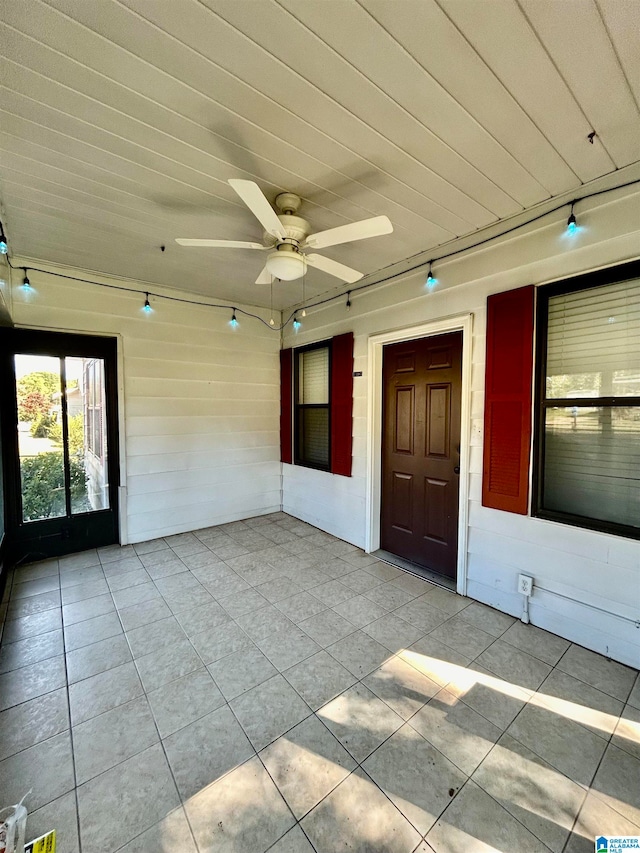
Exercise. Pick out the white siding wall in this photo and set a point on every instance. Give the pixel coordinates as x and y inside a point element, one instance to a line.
<point>587,583</point>
<point>200,402</point>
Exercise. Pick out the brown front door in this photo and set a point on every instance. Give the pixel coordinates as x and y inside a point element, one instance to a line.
<point>422,383</point>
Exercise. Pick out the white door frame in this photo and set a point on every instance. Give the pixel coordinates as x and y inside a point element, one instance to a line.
<point>463,323</point>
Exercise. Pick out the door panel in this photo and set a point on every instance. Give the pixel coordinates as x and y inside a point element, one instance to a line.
<point>421,450</point>
<point>59,422</point>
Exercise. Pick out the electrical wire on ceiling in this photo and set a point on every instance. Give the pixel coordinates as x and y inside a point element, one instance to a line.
<point>571,227</point>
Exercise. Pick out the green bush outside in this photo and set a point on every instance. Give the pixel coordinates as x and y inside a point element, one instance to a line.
<point>43,485</point>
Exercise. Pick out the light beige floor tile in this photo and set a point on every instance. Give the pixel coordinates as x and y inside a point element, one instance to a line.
<point>487,618</point>
<point>83,610</point>
<point>34,604</point>
<point>359,720</point>
<point>326,627</point>
<point>268,710</point>
<point>460,733</point>
<point>29,626</point>
<point>34,587</point>
<point>276,590</point>
<point>46,769</point>
<point>359,653</point>
<point>627,733</point>
<point>319,678</point>
<point>333,592</point>
<point>105,741</point>
<point>242,602</point>
<point>140,792</point>
<point>443,599</point>
<point>183,701</point>
<point>34,680</point>
<point>154,637</point>
<point>416,777</point>
<point>201,618</point>
<point>434,659</point>
<point>82,591</point>
<point>33,649</point>
<point>401,687</point>
<point>115,553</point>
<point>128,579</point>
<point>634,696</point>
<point>83,560</point>
<point>594,669</point>
<point>389,596</point>
<point>362,582</point>
<point>31,722</point>
<point>578,701</point>
<point>541,644</point>
<point>422,614</point>
<point>264,622</point>
<point>357,816</point>
<point>240,671</point>
<point>393,633</point>
<point>497,700</point>
<point>513,665</point>
<point>150,546</point>
<point>306,764</point>
<point>98,657</point>
<point>300,606</point>
<point>288,647</point>
<point>617,782</point>
<point>413,584</point>
<point>132,595</point>
<point>60,814</point>
<point>536,794</point>
<point>566,745</point>
<point>92,631</point>
<point>205,750</point>
<point>476,823</point>
<point>220,640</point>
<point>462,637</point>
<point>171,833</point>
<point>167,664</point>
<point>81,576</point>
<point>598,818</point>
<point>359,610</point>
<point>104,691</point>
<point>295,841</point>
<point>43,569</point>
<point>144,614</point>
<point>242,811</point>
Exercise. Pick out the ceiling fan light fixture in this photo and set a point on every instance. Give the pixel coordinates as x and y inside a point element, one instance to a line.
<point>286,263</point>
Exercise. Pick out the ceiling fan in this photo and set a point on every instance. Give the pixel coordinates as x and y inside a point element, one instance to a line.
<point>287,236</point>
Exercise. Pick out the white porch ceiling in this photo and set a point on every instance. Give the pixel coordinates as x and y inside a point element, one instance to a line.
<point>123,119</point>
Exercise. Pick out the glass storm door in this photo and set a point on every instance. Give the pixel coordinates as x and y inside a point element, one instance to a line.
<point>60,435</point>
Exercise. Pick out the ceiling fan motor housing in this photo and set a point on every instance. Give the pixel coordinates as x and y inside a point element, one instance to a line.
<point>286,262</point>
<point>296,227</point>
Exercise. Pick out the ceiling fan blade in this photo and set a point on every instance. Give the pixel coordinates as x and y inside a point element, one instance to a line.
<point>219,244</point>
<point>256,201</point>
<point>374,227</point>
<point>334,268</point>
<point>265,277</point>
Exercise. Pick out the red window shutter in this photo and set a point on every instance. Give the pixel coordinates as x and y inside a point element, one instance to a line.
<point>507,405</point>
<point>286,403</point>
<point>341,403</point>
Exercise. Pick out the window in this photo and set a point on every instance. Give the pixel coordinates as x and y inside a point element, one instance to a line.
<point>312,407</point>
<point>316,405</point>
<point>588,431</point>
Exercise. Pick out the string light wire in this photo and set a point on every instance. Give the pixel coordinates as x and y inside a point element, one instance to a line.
<point>336,296</point>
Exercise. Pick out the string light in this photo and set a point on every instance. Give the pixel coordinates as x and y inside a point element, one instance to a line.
<point>296,323</point>
<point>431,279</point>
<point>147,305</point>
<point>234,320</point>
<point>3,241</point>
<point>26,284</point>
<point>572,225</point>
<point>348,305</point>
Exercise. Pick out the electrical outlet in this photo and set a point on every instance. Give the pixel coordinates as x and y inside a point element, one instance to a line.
<point>525,584</point>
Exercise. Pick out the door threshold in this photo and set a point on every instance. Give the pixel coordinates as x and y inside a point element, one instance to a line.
<point>415,569</point>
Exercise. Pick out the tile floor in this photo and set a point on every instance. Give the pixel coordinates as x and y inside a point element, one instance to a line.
<point>264,686</point>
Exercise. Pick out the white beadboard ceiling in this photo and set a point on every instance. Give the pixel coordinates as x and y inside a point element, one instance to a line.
<point>123,119</point>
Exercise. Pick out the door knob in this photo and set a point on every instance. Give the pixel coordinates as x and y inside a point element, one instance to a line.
<point>456,470</point>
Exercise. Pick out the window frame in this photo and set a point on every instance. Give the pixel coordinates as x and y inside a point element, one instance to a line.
<point>589,281</point>
<point>297,407</point>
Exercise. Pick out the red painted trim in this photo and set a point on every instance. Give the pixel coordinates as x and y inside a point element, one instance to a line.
<point>507,405</point>
<point>286,405</point>
<point>341,403</point>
